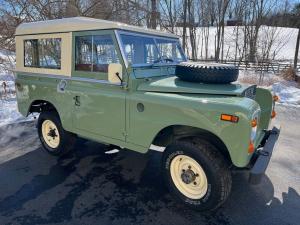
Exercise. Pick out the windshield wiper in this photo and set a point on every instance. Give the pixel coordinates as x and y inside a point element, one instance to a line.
<point>162,59</point>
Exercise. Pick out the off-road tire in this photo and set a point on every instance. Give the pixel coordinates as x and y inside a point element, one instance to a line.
<point>215,167</point>
<point>67,139</point>
<point>211,73</point>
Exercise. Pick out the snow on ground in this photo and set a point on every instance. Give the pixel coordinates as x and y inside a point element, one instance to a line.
<point>283,41</point>
<point>9,112</point>
<point>8,105</point>
<point>288,91</point>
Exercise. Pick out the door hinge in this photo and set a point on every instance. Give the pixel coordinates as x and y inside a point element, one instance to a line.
<point>124,134</point>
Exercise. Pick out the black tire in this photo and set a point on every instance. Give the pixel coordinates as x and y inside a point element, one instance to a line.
<point>67,139</point>
<point>214,166</point>
<point>212,73</point>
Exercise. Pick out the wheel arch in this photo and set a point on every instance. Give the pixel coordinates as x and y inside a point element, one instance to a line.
<point>176,132</point>
<point>41,105</point>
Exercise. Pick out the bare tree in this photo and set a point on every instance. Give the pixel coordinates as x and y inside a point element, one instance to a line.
<point>185,5</point>
<point>297,14</point>
<point>154,14</point>
<point>270,42</point>
<point>170,13</point>
<point>297,50</point>
<point>221,10</point>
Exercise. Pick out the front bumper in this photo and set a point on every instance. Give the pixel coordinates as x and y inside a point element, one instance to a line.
<point>263,155</point>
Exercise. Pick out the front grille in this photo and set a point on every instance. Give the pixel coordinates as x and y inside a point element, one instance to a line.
<point>250,92</point>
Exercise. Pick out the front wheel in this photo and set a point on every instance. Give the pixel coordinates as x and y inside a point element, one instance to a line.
<point>196,173</point>
<point>54,138</point>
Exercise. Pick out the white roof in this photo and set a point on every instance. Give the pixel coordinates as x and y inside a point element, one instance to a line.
<point>80,24</point>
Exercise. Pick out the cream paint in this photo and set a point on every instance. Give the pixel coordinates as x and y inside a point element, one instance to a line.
<point>194,190</point>
<point>81,24</point>
<point>113,69</point>
<point>47,126</point>
<point>66,54</point>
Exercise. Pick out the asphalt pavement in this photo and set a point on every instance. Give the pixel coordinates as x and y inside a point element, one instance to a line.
<point>90,186</point>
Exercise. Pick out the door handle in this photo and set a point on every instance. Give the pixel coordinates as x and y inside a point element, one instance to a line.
<point>77,100</point>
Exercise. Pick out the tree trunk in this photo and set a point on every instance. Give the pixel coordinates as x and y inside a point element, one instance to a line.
<point>153,19</point>
<point>222,40</point>
<point>184,25</point>
<point>297,51</point>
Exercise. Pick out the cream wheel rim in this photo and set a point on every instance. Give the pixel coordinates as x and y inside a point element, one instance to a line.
<point>50,134</point>
<point>188,177</point>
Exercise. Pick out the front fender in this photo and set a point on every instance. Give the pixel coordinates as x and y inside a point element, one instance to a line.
<point>265,101</point>
<point>200,111</point>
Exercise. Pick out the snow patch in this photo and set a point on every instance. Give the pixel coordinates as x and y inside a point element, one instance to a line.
<point>8,104</point>
<point>9,112</point>
<point>288,92</point>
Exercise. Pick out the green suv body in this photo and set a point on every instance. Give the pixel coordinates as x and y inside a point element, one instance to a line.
<point>117,84</point>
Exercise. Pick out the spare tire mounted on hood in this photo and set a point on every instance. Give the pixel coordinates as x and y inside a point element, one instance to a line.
<point>212,73</point>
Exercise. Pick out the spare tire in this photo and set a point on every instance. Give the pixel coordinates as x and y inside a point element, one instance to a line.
<point>212,73</point>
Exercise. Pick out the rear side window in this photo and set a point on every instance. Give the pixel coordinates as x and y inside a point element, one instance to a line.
<point>94,53</point>
<point>43,53</point>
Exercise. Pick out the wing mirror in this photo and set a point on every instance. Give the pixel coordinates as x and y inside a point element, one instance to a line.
<point>115,73</point>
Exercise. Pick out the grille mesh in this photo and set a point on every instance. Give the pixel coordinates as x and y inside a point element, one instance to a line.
<point>250,92</point>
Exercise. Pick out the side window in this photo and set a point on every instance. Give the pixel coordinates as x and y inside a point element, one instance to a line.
<point>43,53</point>
<point>83,61</point>
<point>31,53</point>
<point>94,53</point>
<point>104,53</point>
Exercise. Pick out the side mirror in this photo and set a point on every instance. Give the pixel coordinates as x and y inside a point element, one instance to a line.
<point>115,73</point>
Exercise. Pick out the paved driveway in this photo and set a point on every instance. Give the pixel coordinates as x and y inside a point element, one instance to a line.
<point>92,187</point>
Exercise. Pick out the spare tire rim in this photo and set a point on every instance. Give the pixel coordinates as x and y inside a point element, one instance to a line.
<point>188,177</point>
<point>50,134</point>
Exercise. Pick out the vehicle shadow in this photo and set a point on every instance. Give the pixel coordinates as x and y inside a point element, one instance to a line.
<point>89,186</point>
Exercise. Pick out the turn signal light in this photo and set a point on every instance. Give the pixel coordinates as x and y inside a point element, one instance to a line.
<point>275,98</point>
<point>273,114</point>
<point>254,122</point>
<point>251,148</point>
<point>230,118</point>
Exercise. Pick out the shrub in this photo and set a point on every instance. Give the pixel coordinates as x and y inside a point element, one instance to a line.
<point>289,74</point>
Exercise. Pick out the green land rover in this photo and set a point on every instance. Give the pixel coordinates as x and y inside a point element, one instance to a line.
<point>131,87</point>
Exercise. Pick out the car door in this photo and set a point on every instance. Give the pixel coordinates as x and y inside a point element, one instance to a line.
<point>99,106</point>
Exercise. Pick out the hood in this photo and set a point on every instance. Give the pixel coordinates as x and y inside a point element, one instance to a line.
<point>175,85</point>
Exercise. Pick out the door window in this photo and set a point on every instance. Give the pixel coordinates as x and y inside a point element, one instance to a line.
<point>84,53</point>
<point>94,53</point>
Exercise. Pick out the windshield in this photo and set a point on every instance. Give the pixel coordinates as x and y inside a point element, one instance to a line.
<point>150,50</point>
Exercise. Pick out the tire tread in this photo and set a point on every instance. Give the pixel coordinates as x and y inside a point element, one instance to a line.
<point>202,73</point>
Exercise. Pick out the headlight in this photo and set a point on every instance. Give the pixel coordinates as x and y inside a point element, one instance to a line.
<point>254,123</point>
<point>253,133</point>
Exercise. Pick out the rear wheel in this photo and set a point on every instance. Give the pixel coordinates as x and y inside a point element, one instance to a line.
<point>54,138</point>
<point>196,173</point>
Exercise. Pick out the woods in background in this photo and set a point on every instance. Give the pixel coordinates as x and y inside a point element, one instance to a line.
<point>194,20</point>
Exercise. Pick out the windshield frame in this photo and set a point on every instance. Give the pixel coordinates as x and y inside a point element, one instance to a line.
<point>121,46</point>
